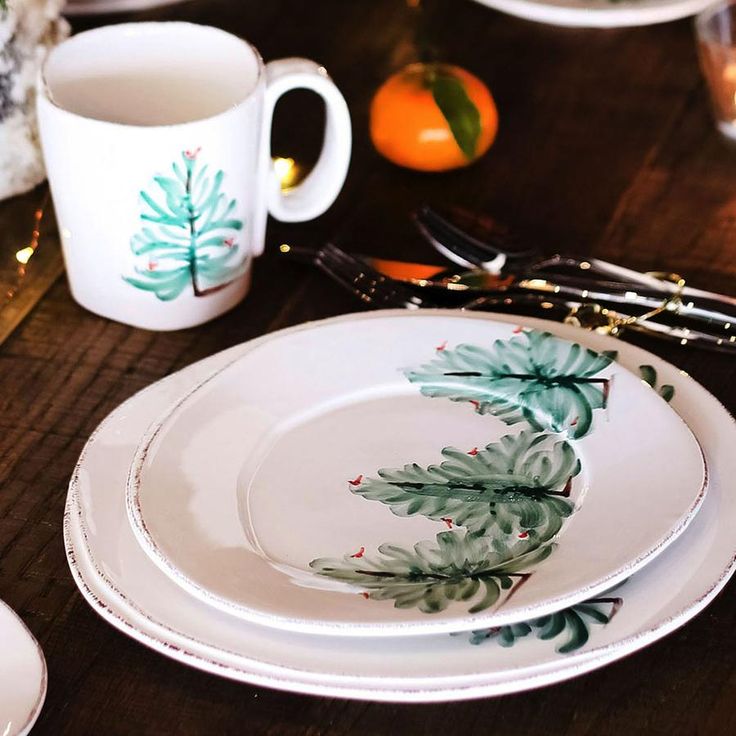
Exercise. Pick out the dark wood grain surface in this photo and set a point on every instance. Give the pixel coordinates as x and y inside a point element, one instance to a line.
<point>606,146</point>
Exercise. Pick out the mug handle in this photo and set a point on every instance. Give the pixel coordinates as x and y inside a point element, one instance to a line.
<point>320,189</point>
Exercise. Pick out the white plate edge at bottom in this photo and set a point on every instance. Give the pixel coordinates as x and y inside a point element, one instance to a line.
<point>41,696</point>
<point>423,689</point>
<point>293,680</point>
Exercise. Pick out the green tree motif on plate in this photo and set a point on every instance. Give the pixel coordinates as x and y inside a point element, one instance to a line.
<point>521,483</point>
<point>533,377</point>
<point>649,375</point>
<point>191,236</point>
<point>573,623</point>
<point>458,566</point>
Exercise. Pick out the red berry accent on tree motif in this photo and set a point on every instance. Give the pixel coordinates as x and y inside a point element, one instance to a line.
<point>191,153</point>
<point>152,265</point>
<point>522,577</point>
<point>229,242</point>
<point>518,329</point>
<point>447,521</point>
<point>568,487</point>
<point>473,452</point>
<point>475,403</point>
<point>359,553</point>
<point>365,595</point>
<point>357,481</point>
<point>524,535</point>
<point>574,421</point>
<point>441,346</point>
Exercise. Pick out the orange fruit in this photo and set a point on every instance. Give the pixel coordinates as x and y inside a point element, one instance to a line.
<point>433,117</point>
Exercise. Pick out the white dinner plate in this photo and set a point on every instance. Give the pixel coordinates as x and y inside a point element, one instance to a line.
<point>409,476</point>
<point>122,584</point>
<point>22,675</point>
<point>599,13</point>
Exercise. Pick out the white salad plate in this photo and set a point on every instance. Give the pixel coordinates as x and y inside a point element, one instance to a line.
<point>599,13</point>
<point>129,591</point>
<point>406,476</point>
<point>22,675</point>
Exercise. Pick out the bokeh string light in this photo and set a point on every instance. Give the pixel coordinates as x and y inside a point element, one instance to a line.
<point>288,172</point>
<point>24,255</point>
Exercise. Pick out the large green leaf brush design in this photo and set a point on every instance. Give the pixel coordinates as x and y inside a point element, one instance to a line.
<point>521,483</point>
<point>458,566</point>
<point>571,625</point>
<point>190,236</point>
<point>534,377</point>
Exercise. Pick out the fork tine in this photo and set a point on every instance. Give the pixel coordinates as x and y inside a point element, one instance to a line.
<point>366,283</point>
<point>329,261</point>
<point>492,253</point>
<point>336,275</point>
<point>484,229</point>
<point>456,245</point>
<point>443,239</point>
<point>445,228</point>
<point>481,233</point>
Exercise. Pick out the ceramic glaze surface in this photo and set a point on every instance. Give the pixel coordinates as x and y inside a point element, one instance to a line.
<point>99,7</point>
<point>388,486</point>
<point>22,676</point>
<point>599,13</point>
<point>111,569</point>
<point>161,170</point>
<point>144,79</point>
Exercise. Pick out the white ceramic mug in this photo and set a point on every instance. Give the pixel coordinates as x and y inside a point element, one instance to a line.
<point>156,138</point>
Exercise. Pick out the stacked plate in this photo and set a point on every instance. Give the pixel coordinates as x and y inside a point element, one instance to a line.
<point>407,507</point>
<point>22,675</point>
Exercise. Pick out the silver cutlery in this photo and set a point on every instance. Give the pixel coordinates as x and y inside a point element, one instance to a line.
<point>485,249</point>
<point>453,288</point>
<point>377,290</point>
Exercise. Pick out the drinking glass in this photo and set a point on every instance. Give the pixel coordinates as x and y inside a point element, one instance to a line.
<point>714,30</point>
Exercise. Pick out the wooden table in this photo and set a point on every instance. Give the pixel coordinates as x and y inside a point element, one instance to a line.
<point>606,146</point>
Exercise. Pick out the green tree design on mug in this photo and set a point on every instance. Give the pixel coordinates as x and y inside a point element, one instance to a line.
<point>191,239</point>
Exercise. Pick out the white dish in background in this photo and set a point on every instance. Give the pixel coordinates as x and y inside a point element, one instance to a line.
<point>122,584</point>
<point>300,487</point>
<point>22,675</point>
<point>99,7</point>
<point>599,13</point>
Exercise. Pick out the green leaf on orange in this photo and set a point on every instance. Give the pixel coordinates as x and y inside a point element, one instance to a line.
<point>459,110</point>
